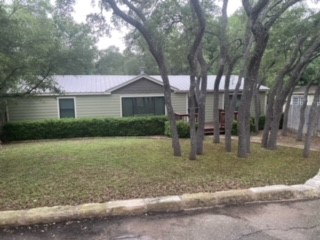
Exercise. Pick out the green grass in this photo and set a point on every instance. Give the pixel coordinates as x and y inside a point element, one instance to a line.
<point>96,170</point>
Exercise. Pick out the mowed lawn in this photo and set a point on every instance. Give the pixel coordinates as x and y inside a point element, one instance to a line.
<point>101,169</point>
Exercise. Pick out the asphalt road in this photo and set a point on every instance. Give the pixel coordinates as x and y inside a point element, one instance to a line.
<point>291,221</point>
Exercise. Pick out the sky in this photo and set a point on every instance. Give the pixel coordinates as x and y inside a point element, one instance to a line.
<point>83,8</point>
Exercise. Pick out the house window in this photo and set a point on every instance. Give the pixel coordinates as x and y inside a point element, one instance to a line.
<point>142,106</point>
<point>297,100</point>
<point>66,108</point>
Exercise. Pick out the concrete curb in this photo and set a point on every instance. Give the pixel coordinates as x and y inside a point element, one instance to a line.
<point>186,202</point>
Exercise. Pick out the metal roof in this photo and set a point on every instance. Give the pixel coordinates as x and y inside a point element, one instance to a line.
<point>105,84</point>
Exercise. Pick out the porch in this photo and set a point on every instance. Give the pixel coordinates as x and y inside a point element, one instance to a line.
<point>208,128</point>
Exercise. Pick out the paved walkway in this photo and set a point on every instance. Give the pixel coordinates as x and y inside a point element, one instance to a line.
<point>287,221</point>
<point>285,142</point>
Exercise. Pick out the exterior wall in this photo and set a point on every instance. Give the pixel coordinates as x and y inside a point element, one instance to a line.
<point>32,108</point>
<point>179,102</point>
<point>98,106</point>
<point>38,108</point>
<point>294,119</point>
<point>140,86</point>
<point>209,105</point>
<point>263,104</point>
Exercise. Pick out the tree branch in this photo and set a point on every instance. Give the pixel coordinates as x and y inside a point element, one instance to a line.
<point>135,10</point>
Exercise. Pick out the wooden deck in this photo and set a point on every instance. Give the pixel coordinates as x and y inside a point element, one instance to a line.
<point>208,128</point>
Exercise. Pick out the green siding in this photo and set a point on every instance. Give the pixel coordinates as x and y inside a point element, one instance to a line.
<point>33,108</point>
<point>37,108</point>
<point>209,105</point>
<point>263,106</point>
<point>139,87</point>
<point>98,106</point>
<point>179,102</point>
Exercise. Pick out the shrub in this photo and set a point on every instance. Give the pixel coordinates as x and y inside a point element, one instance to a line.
<point>73,128</point>
<point>234,129</point>
<point>182,127</point>
<point>262,121</point>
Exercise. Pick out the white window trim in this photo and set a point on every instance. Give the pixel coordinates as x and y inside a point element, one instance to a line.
<point>141,95</point>
<point>74,102</point>
<point>300,100</point>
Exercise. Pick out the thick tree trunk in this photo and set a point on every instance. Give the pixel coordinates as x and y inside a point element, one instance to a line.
<point>260,30</point>
<point>302,112</point>
<point>284,131</point>
<point>257,108</point>
<point>273,137</point>
<point>192,57</point>
<point>202,102</point>
<point>249,85</point>
<point>222,62</point>
<point>314,110</point>
<point>192,118</point>
<point>157,52</point>
<point>261,37</point>
<point>216,120</point>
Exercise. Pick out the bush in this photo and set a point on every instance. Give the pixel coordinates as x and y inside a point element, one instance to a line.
<point>183,129</point>
<point>262,121</point>
<point>234,129</point>
<point>73,128</point>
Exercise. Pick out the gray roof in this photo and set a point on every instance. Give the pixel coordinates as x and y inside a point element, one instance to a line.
<point>97,84</point>
<point>299,90</point>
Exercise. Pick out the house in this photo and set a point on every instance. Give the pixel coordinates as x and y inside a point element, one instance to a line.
<point>96,96</point>
<point>295,106</point>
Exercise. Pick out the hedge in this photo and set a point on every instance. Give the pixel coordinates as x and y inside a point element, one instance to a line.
<point>73,128</point>
<point>234,129</point>
<point>182,127</point>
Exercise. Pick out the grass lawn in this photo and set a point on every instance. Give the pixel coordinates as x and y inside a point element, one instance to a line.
<point>97,170</point>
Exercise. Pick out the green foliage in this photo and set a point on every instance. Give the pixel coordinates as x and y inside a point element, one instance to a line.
<point>182,127</point>
<point>262,121</point>
<point>234,129</point>
<point>36,43</point>
<point>73,128</point>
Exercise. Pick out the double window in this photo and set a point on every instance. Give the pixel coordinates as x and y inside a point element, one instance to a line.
<point>142,106</point>
<point>297,100</point>
<point>66,108</point>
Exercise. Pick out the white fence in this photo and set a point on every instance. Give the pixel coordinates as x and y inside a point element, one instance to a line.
<point>294,119</point>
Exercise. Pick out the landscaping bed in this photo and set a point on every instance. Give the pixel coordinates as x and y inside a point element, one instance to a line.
<point>68,172</point>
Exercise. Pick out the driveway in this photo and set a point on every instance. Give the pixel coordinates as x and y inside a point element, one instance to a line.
<point>291,221</point>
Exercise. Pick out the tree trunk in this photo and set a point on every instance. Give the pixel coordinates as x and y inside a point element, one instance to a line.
<point>202,102</point>
<point>257,108</point>
<point>229,106</point>
<point>192,57</point>
<point>157,52</point>
<point>260,29</point>
<point>192,118</point>
<point>286,114</point>
<point>223,55</point>
<point>261,37</point>
<point>311,123</point>
<point>302,112</point>
<point>216,115</point>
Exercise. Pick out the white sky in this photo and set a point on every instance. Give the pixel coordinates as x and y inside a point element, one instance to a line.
<point>83,8</point>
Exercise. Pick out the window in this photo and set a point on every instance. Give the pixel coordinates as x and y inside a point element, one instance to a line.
<point>66,108</point>
<point>297,100</point>
<point>142,106</point>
